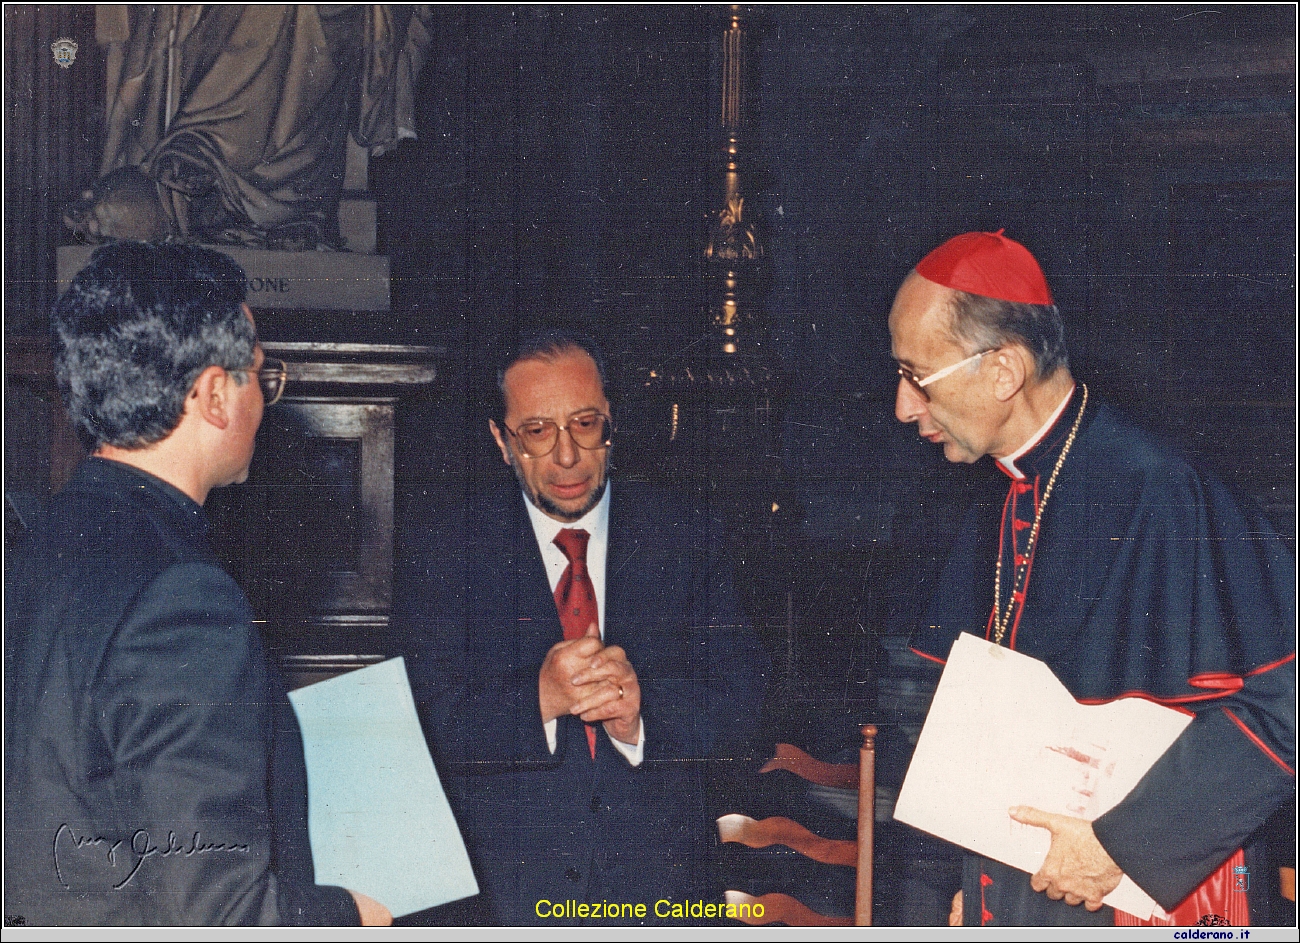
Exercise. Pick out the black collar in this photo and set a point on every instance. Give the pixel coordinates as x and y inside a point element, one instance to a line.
<point>1041,459</point>
<point>105,474</point>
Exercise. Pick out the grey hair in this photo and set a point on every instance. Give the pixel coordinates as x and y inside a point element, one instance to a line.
<point>135,329</point>
<point>984,323</point>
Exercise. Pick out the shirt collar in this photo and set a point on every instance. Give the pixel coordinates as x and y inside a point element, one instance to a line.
<point>595,522</point>
<point>1011,464</point>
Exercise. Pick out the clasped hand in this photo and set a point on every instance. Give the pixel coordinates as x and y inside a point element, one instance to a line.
<point>585,678</point>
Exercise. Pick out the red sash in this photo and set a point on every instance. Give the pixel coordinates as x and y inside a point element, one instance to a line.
<point>1221,894</point>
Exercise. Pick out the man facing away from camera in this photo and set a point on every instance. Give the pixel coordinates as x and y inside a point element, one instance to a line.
<point>578,654</point>
<point>1126,571</point>
<point>153,767</point>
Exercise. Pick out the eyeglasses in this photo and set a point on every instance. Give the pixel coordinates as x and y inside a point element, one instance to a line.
<point>920,383</point>
<point>272,377</point>
<point>539,437</point>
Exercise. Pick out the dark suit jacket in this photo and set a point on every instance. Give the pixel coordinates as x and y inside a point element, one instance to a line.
<point>478,618</point>
<point>153,767</point>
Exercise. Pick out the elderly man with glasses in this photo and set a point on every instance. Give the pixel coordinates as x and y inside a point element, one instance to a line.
<point>1125,570</point>
<point>578,657</point>
<point>153,768</point>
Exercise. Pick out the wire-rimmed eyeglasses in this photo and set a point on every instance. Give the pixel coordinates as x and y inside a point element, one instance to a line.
<point>538,437</point>
<point>272,377</point>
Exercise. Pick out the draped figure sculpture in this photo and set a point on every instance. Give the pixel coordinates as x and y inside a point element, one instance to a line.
<point>229,124</point>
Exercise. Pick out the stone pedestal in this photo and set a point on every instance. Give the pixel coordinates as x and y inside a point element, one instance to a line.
<point>317,281</point>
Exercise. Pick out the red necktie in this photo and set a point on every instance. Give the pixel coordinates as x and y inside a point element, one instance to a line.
<point>575,596</point>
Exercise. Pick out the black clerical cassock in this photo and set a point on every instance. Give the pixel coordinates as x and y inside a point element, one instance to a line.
<point>1145,579</point>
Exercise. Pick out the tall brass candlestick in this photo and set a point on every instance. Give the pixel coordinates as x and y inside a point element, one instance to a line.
<point>735,250</point>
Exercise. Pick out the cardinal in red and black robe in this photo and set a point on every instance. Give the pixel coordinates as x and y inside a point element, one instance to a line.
<point>1146,579</point>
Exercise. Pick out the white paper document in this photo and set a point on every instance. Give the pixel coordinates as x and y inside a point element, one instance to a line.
<point>1003,731</point>
<point>378,817</point>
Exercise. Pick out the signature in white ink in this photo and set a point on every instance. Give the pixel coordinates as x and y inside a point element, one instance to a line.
<point>134,851</point>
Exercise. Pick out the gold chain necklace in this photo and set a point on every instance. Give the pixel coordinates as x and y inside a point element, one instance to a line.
<point>1001,622</point>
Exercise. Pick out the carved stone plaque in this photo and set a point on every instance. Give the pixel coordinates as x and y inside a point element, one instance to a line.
<point>319,281</point>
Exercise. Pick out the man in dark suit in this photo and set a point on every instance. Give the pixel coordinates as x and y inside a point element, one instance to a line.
<point>153,768</point>
<point>578,654</point>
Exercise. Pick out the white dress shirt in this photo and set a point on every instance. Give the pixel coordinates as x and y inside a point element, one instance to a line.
<point>596,523</point>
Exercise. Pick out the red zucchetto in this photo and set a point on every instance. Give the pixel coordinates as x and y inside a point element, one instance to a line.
<point>988,264</point>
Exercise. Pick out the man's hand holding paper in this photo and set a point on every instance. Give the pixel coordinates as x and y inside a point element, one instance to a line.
<point>1077,868</point>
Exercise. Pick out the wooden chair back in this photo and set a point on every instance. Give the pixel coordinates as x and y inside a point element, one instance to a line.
<point>782,908</point>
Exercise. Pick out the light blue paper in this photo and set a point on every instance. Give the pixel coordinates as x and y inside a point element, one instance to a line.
<point>378,817</point>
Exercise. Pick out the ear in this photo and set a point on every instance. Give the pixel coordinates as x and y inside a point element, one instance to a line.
<point>501,442</point>
<point>209,397</point>
<point>1012,367</point>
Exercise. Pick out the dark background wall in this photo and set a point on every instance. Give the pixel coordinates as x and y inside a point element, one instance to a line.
<point>567,162</point>
<point>568,158</point>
